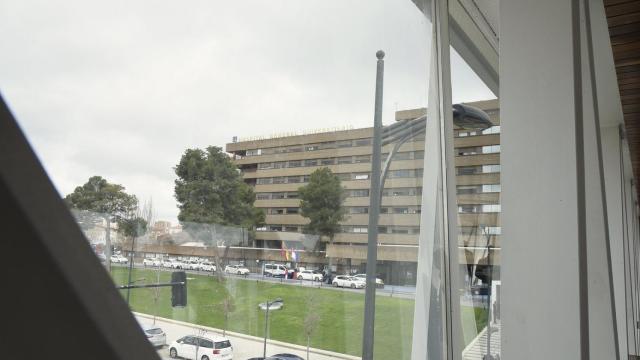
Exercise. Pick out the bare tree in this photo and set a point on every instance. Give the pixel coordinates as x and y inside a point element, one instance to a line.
<point>148,213</point>
<point>311,320</point>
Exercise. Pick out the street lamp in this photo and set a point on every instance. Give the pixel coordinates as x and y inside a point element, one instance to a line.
<point>266,306</point>
<point>464,116</point>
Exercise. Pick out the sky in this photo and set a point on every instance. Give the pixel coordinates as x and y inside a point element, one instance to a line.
<point>121,89</point>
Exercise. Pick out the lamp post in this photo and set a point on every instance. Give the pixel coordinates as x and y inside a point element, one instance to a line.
<point>464,116</point>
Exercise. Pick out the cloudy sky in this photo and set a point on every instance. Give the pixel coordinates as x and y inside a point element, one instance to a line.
<point>121,88</point>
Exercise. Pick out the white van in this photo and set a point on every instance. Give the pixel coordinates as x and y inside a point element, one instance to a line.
<point>274,270</point>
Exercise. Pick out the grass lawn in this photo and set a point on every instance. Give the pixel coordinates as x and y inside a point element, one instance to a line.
<point>340,312</point>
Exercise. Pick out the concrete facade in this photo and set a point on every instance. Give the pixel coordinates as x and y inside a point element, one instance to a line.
<point>277,167</point>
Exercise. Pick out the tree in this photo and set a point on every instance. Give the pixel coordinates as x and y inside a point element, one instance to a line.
<point>101,199</point>
<point>210,190</point>
<point>311,320</point>
<point>321,202</point>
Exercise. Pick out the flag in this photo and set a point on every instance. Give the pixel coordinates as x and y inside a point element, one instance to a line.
<point>287,254</point>
<point>294,256</point>
<point>283,252</point>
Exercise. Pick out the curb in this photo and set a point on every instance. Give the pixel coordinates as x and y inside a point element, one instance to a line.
<point>254,338</point>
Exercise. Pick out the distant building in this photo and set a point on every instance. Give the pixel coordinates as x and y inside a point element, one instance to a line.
<point>277,167</point>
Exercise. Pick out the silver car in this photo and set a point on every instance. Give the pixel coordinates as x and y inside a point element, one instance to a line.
<point>155,334</point>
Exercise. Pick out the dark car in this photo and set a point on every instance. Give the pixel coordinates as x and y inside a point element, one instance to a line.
<point>284,357</point>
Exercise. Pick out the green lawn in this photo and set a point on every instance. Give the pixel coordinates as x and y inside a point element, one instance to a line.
<point>341,312</point>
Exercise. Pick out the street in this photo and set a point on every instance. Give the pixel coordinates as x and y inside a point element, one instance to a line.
<point>244,346</point>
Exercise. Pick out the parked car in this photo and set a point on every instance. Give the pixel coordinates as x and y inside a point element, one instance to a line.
<point>155,334</point>
<point>275,270</point>
<point>119,259</point>
<point>313,275</point>
<point>236,269</point>
<point>284,357</point>
<point>202,348</point>
<point>147,262</point>
<point>157,262</point>
<point>207,266</point>
<point>363,277</point>
<point>173,264</point>
<point>348,281</point>
<point>191,265</point>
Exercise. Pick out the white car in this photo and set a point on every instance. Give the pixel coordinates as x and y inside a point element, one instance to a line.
<point>275,270</point>
<point>154,333</point>
<point>191,265</point>
<point>207,266</point>
<point>348,281</point>
<point>312,275</point>
<point>201,348</point>
<point>119,259</point>
<point>236,269</point>
<point>173,264</point>
<point>148,262</point>
<point>363,277</point>
<point>157,262</point>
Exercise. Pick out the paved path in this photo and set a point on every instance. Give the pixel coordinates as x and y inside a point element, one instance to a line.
<point>244,346</point>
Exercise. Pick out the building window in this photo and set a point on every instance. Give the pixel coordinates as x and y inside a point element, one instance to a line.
<point>305,178</point>
<point>263,196</point>
<point>295,163</point>
<point>278,180</point>
<point>361,176</point>
<point>293,179</point>
<point>291,228</point>
<point>294,149</point>
<point>344,176</point>
<point>362,159</point>
<point>359,210</point>
<point>402,156</point>
<point>265,165</point>
<point>278,195</point>
<point>313,147</point>
<point>491,188</point>
<point>360,193</point>
<point>279,165</point>
<point>418,155</point>
<point>363,142</point>
<point>275,227</point>
<point>292,195</point>
<point>344,143</point>
<point>291,211</point>
<point>263,181</point>
<point>345,160</point>
<point>254,152</point>
<point>311,162</point>
<point>400,210</point>
<point>330,161</point>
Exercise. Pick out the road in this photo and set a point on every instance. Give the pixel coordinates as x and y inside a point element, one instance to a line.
<point>244,346</point>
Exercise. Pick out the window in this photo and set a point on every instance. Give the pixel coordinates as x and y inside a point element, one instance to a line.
<point>491,188</point>
<point>279,165</point>
<point>360,193</point>
<point>311,162</point>
<point>264,181</point>
<point>400,210</point>
<point>275,227</point>
<point>402,156</point>
<point>293,179</point>
<point>263,196</point>
<point>490,168</point>
<point>401,174</point>
<point>418,155</point>
<point>278,195</point>
<point>292,195</point>
<point>306,178</point>
<point>254,152</point>
<point>363,142</point>
<point>344,160</point>
<point>265,165</point>
<point>206,343</point>
<point>344,176</point>
<point>278,180</point>
<point>291,228</point>
<point>294,149</point>
<point>328,161</point>
<point>295,163</point>
<point>277,211</point>
<point>313,147</point>
<point>492,130</point>
<point>359,210</point>
<point>361,176</point>
<point>291,211</point>
<point>343,143</point>
<point>363,159</point>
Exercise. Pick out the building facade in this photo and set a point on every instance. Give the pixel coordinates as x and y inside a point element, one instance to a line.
<point>277,167</point>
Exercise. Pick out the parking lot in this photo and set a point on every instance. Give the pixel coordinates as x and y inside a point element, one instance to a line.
<point>244,346</point>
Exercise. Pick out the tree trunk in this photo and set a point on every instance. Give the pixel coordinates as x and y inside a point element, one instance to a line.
<point>330,270</point>
<point>308,340</point>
